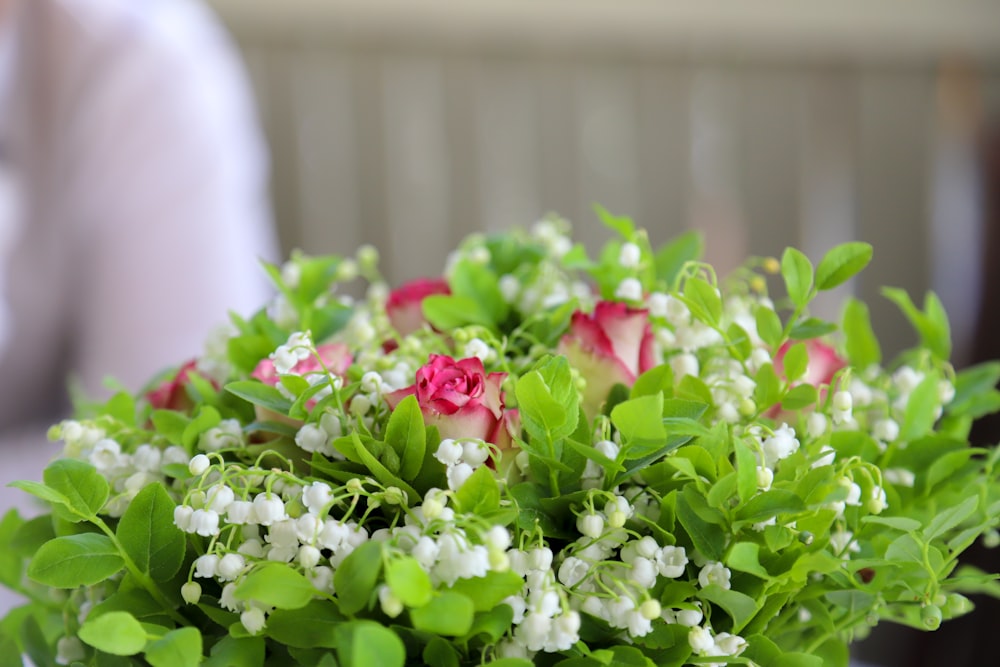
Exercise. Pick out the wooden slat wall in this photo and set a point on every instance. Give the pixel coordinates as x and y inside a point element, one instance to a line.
<point>413,145</point>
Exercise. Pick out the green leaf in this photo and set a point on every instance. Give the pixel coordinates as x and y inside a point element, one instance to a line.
<point>800,396</point>
<point>703,301</point>
<point>919,414</point>
<point>260,394</point>
<point>311,626</point>
<point>440,652</point>
<point>842,263</point>
<point>740,340</point>
<point>479,494</point>
<point>795,361</point>
<point>480,284</point>
<point>767,391</point>
<point>489,591</point>
<point>545,417</point>
<point>409,581</point>
<point>797,271</point>
<point>451,312</point>
<point>148,534</point>
<point>41,491</point>
<point>947,519</point>
<point>377,469</point>
<point>896,522</point>
<point>238,651</point>
<point>356,577</point>
<point>84,488</point>
<point>407,435</point>
<point>811,327</point>
<point>659,379</point>
<point>275,585</point>
<point>366,644</point>
<point>706,538</point>
<point>770,503</point>
<point>170,424</point>
<point>746,470</point>
<point>745,557</point>
<point>768,326</point>
<point>75,560</point>
<point>932,326</point>
<point>739,606</point>
<point>492,623</point>
<point>177,648</point>
<point>117,633</point>
<point>640,422</point>
<point>121,407</point>
<point>671,258</point>
<point>448,614</point>
<point>861,345</point>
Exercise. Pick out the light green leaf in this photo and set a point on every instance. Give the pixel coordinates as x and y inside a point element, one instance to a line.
<point>409,581</point>
<point>797,271</point>
<point>366,644</point>
<point>407,435</point>
<point>260,394</point>
<point>117,633</point>
<point>947,519</point>
<point>640,422</point>
<point>311,626</point>
<point>170,424</point>
<point>746,470</point>
<point>745,557</point>
<point>800,396</point>
<point>768,388</point>
<point>177,648</point>
<point>149,536</point>
<point>931,324</point>
<point>448,614</point>
<point>41,491</point>
<point>545,418</point>
<point>842,263</point>
<point>85,489</point>
<point>861,345</point>
<point>479,283</point>
<point>768,326</point>
<point>795,361</point>
<point>919,414</point>
<point>275,585</point>
<point>75,560</point>
<point>703,300</point>
<point>356,577</point>
<point>671,258</point>
<point>479,494</point>
<point>739,606</point>
<point>896,522</point>
<point>451,312</point>
<point>489,591</point>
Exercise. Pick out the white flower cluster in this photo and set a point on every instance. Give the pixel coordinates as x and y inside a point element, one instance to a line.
<point>461,458</point>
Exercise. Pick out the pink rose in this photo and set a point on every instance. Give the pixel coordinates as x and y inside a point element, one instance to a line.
<point>404,303</point>
<point>336,357</point>
<point>172,394</point>
<point>823,362</point>
<point>610,346</point>
<point>461,400</point>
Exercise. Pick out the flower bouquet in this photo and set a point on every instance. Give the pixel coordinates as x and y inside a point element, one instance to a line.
<point>540,458</point>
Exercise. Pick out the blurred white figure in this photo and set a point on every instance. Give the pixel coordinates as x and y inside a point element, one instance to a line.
<point>133,201</point>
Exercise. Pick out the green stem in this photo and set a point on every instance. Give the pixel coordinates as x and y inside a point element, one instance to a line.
<point>144,579</point>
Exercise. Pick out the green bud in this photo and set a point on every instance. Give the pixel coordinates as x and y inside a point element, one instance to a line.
<point>957,604</point>
<point>930,616</point>
<point>806,538</point>
<point>991,539</point>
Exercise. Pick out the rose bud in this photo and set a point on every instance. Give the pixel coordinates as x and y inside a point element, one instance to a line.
<point>404,306</point>
<point>172,393</point>
<point>610,346</point>
<point>461,400</point>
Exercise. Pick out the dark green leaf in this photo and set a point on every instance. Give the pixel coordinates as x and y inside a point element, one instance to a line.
<point>311,626</point>
<point>406,434</point>
<point>260,394</point>
<point>706,538</point>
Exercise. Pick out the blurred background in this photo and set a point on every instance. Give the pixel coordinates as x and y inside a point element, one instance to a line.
<point>763,124</point>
